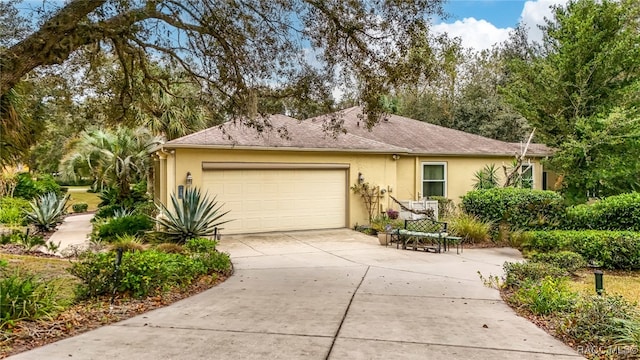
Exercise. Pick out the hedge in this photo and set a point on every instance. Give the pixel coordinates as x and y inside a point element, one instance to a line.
<point>520,208</point>
<point>620,212</point>
<point>609,249</point>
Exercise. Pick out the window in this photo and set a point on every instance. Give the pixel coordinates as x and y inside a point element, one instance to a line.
<point>527,176</point>
<point>434,179</point>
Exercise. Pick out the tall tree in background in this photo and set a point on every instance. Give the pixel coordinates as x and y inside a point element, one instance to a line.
<point>579,88</point>
<point>464,95</point>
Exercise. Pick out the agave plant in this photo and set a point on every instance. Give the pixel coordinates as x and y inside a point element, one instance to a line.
<point>193,217</point>
<point>47,211</point>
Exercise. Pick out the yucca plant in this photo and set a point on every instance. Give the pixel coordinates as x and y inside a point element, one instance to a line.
<point>47,211</point>
<point>192,217</point>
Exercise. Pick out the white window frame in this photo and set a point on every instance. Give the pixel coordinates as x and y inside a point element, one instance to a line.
<point>445,180</point>
<point>533,173</point>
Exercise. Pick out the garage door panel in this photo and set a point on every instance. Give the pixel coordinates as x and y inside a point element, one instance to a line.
<point>279,200</point>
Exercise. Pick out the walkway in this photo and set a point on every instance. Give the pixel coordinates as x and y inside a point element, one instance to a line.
<point>73,232</point>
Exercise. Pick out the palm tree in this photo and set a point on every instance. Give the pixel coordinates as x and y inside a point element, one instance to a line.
<point>115,158</point>
<point>171,110</point>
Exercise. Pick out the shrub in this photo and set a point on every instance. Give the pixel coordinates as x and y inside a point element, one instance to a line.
<point>204,252</point>
<point>80,207</point>
<point>28,188</point>
<point>192,217</point>
<point>548,296</point>
<point>12,211</point>
<point>519,273</point>
<point>567,260</point>
<point>200,245</point>
<point>620,212</point>
<point>520,208</point>
<point>107,211</point>
<point>47,211</point>
<point>25,297</point>
<point>596,320</point>
<point>470,228</point>
<point>124,225</point>
<point>610,249</point>
<point>142,273</point>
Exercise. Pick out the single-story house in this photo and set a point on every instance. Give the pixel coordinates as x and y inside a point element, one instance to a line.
<point>300,179</point>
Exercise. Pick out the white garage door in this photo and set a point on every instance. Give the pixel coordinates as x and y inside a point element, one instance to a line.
<point>263,200</point>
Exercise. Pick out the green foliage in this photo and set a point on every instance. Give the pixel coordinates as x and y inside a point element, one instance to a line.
<point>107,211</point>
<point>80,207</point>
<point>610,249</point>
<point>28,188</point>
<point>112,228</point>
<point>12,211</point>
<point>551,295</point>
<point>566,260</point>
<point>485,178</point>
<point>192,217</point>
<point>30,242</point>
<point>47,211</point>
<point>25,297</point>
<point>596,320</point>
<point>143,273</point>
<point>470,228</point>
<point>200,245</point>
<point>114,158</point>
<point>10,237</point>
<point>382,223</point>
<point>620,212</point>
<point>519,273</point>
<point>203,251</point>
<point>112,205</point>
<point>579,90</point>
<point>520,208</point>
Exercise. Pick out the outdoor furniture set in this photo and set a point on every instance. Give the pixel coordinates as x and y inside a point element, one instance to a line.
<point>425,234</point>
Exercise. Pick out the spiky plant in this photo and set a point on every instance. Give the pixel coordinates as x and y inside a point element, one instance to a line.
<point>485,178</point>
<point>192,217</point>
<point>127,243</point>
<point>47,211</point>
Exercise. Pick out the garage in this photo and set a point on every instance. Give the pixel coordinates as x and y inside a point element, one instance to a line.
<point>278,197</point>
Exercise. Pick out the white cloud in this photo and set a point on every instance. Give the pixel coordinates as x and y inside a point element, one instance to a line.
<point>475,34</point>
<point>534,13</point>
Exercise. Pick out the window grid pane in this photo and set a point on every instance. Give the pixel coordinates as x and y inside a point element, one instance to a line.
<point>433,180</point>
<point>433,172</point>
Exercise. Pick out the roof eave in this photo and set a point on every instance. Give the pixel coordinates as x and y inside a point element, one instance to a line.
<point>283,148</point>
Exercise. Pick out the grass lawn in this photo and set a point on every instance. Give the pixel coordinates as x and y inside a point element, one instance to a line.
<point>79,194</point>
<point>625,283</point>
<point>48,269</point>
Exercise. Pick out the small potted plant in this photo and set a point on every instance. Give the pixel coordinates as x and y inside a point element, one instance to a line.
<point>392,214</point>
<point>384,226</point>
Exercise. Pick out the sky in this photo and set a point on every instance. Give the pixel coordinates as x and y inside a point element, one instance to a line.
<point>482,23</point>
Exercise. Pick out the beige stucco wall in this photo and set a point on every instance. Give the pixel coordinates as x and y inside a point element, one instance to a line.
<point>403,177</point>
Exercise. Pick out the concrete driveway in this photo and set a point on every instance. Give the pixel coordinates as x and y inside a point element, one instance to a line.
<point>329,295</point>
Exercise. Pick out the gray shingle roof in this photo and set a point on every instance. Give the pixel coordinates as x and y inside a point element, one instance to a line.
<point>283,132</point>
<point>394,134</point>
